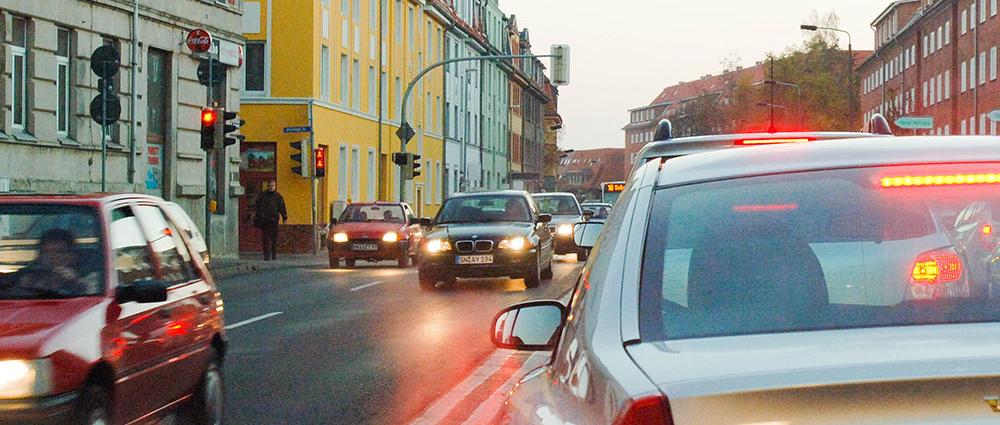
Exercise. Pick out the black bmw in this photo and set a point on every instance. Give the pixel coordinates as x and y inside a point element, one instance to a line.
<point>487,235</point>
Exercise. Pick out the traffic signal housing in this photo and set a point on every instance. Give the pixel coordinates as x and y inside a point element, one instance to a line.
<point>409,164</point>
<point>209,119</point>
<point>300,158</point>
<point>414,165</point>
<point>319,162</point>
<point>231,123</point>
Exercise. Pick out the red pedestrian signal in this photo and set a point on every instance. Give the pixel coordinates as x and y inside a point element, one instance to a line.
<point>319,162</point>
<point>208,118</point>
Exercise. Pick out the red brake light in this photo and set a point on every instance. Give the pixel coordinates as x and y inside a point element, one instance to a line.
<point>940,180</point>
<point>987,229</point>
<point>651,410</point>
<point>937,267</point>
<point>775,141</point>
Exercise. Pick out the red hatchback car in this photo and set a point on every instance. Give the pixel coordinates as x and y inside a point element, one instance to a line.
<point>107,314</point>
<point>381,231</point>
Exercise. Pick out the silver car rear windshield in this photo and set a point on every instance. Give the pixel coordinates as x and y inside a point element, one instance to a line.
<point>840,249</point>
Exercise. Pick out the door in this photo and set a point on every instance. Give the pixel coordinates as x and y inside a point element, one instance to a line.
<point>157,113</point>
<point>256,168</point>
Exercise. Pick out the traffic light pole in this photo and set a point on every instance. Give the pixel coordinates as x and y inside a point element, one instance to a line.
<point>405,132</point>
<point>104,137</point>
<point>312,177</point>
<point>208,166</point>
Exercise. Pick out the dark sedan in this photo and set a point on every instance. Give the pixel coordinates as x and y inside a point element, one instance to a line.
<point>487,235</point>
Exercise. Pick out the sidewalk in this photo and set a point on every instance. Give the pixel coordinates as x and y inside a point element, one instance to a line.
<point>223,268</point>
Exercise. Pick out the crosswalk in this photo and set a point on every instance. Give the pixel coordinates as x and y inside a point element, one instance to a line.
<point>477,399</point>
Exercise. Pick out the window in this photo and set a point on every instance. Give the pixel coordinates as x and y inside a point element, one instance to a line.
<point>372,170</point>
<point>343,167</point>
<point>253,81</point>
<point>372,90</point>
<point>940,38</point>
<point>356,173</point>
<point>947,32</point>
<point>19,61</point>
<point>345,79</point>
<point>357,10</point>
<point>324,79</point>
<point>947,84</point>
<point>63,82</point>
<point>356,85</point>
<point>399,22</point>
<point>982,68</point>
<point>399,96</point>
<point>947,130</point>
<point>931,95</point>
<point>133,262</point>
<point>173,257</point>
<point>972,125</point>
<point>972,16</point>
<point>940,87</point>
<point>964,75</point>
<point>982,11</point>
<point>965,20</point>
<point>925,45</point>
<point>932,47</point>
<point>924,91</point>
<point>964,128</point>
<point>372,15</point>
<point>345,7</point>
<point>993,63</point>
<point>411,29</point>
<point>972,73</point>
<point>326,19</point>
<point>982,123</point>
<point>384,85</point>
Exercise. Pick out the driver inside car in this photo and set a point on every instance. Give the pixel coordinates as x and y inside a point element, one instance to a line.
<point>54,269</point>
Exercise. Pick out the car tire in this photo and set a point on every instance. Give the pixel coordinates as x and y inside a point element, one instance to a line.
<point>403,261</point>
<point>534,277</point>
<point>350,263</point>
<point>93,406</point>
<point>547,273</point>
<point>427,284</point>
<point>334,262</point>
<point>207,405</point>
<point>582,255</point>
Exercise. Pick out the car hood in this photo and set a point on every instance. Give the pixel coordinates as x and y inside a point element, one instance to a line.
<point>373,230</point>
<point>565,219</point>
<point>481,230</point>
<point>28,327</point>
<point>881,376</point>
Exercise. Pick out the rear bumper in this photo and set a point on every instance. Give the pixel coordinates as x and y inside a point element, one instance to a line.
<point>444,267</point>
<point>385,252</point>
<point>57,409</point>
<point>564,245</point>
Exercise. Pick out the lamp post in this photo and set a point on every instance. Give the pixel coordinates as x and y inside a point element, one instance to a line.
<point>850,60</point>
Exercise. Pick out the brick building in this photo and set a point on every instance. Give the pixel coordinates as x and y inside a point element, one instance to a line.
<point>582,172</point>
<point>935,58</point>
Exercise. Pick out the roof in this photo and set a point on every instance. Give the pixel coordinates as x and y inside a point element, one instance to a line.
<point>708,84</point>
<point>490,192</point>
<point>698,144</point>
<point>71,197</point>
<point>832,154</point>
<point>545,194</point>
<point>597,165</point>
<point>889,8</point>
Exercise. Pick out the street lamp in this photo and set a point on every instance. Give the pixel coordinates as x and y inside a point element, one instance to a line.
<point>850,58</point>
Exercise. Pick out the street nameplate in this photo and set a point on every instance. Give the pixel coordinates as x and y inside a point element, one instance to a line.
<point>303,129</point>
<point>915,123</point>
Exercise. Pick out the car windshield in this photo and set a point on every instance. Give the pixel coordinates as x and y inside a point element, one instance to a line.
<point>557,205</point>
<point>841,249</point>
<point>49,251</point>
<point>599,210</point>
<point>485,209</point>
<point>373,213</point>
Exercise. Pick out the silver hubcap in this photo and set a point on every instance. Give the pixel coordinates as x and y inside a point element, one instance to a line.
<point>213,397</point>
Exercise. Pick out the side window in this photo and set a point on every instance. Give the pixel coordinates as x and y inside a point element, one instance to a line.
<point>175,260</point>
<point>132,260</point>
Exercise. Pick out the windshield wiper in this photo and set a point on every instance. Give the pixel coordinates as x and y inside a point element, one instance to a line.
<point>47,293</point>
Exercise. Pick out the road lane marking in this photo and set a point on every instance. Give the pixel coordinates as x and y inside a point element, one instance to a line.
<point>490,408</point>
<point>255,319</point>
<point>440,408</point>
<point>367,285</point>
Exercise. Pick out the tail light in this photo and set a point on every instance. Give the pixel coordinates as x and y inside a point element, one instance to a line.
<point>932,270</point>
<point>651,410</point>
<point>773,141</point>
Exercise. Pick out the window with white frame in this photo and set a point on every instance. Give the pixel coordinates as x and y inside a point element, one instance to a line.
<point>982,11</point>
<point>399,21</point>
<point>940,38</point>
<point>982,123</point>
<point>972,124</point>
<point>933,46</point>
<point>993,63</point>
<point>372,90</point>
<point>324,72</point>
<point>965,128</point>
<point>965,25</point>
<point>982,67</point>
<point>940,88</point>
<point>947,84</point>
<point>345,79</point>
<point>947,33</point>
<point>372,169</point>
<point>993,7</point>
<point>972,16</point>
<point>972,73</point>
<point>343,168</point>
<point>925,94</point>
<point>253,64</point>
<point>356,173</point>
<point>63,81</point>
<point>931,95</point>
<point>19,63</point>
<point>963,85</point>
<point>356,85</point>
<point>357,10</point>
<point>345,7</point>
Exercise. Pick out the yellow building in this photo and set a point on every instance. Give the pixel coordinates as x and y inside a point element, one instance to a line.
<point>318,64</point>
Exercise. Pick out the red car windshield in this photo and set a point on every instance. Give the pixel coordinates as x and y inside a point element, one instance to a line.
<point>373,213</point>
<point>49,251</point>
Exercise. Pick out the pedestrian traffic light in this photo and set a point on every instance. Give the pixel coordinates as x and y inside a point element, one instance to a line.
<point>230,127</point>
<point>319,162</point>
<point>300,161</point>
<point>414,165</point>
<point>209,118</point>
<point>399,158</point>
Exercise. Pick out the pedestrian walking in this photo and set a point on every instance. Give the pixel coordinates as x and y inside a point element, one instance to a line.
<point>269,208</point>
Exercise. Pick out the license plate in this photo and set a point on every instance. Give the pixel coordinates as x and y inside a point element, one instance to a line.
<point>474,259</point>
<point>364,247</point>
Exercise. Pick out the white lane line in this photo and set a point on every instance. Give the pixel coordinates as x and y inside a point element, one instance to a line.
<point>487,411</point>
<point>255,319</point>
<point>367,285</point>
<point>437,411</point>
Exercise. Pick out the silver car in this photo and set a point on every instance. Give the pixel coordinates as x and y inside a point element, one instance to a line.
<point>794,284</point>
<point>566,213</point>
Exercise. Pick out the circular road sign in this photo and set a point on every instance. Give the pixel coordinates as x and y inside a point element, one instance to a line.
<point>105,61</point>
<point>113,110</point>
<point>199,40</point>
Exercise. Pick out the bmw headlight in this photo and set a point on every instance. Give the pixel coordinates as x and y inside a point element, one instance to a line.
<point>435,246</point>
<point>340,237</point>
<point>565,230</point>
<point>25,378</point>
<point>390,237</point>
<point>515,244</point>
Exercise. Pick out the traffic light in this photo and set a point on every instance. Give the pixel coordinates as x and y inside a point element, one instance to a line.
<point>209,118</point>
<point>560,64</point>
<point>302,163</point>
<point>227,128</point>
<point>414,165</point>
<point>319,162</point>
<point>399,158</point>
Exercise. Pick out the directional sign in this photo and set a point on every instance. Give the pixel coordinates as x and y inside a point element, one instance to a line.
<point>915,123</point>
<point>405,133</point>
<point>995,115</point>
<point>304,129</point>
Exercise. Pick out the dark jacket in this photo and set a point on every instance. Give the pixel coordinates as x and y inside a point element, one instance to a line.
<point>270,206</point>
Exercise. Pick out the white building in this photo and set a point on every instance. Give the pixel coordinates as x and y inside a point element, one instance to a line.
<point>48,141</point>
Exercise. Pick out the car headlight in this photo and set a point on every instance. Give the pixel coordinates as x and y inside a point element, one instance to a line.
<point>514,244</point>
<point>340,237</point>
<point>390,237</point>
<point>565,230</point>
<point>435,246</point>
<point>25,378</point>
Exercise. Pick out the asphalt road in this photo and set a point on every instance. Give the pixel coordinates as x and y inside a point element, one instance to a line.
<point>363,346</point>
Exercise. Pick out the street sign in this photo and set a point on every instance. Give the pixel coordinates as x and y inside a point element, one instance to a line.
<point>105,61</point>
<point>230,53</point>
<point>303,129</point>
<point>915,123</point>
<point>199,40</point>
<point>218,71</point>
<point>995,115</point>
<point>405,133</point>
<point>108,114</point>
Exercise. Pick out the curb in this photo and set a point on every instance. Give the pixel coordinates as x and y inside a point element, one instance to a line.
<point>233,270</point>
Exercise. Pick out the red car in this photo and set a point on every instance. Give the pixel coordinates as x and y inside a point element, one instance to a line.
<point>108,315</point>
<point>381,231</point>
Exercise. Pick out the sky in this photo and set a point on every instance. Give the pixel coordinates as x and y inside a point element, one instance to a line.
<point>624,52</point>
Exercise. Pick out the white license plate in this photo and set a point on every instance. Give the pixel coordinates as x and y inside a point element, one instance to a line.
<point>364,247</point>
<point>474,259</point>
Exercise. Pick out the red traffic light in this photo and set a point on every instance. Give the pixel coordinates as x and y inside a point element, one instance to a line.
<point>208,116</point>
<point>319,161</point>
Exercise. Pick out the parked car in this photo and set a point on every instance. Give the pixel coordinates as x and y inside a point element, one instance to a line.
<point>488,234</point>
<point>731,286</point>
<point>566,213</point>
<point>109,314</point>
<point>380,231</point>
